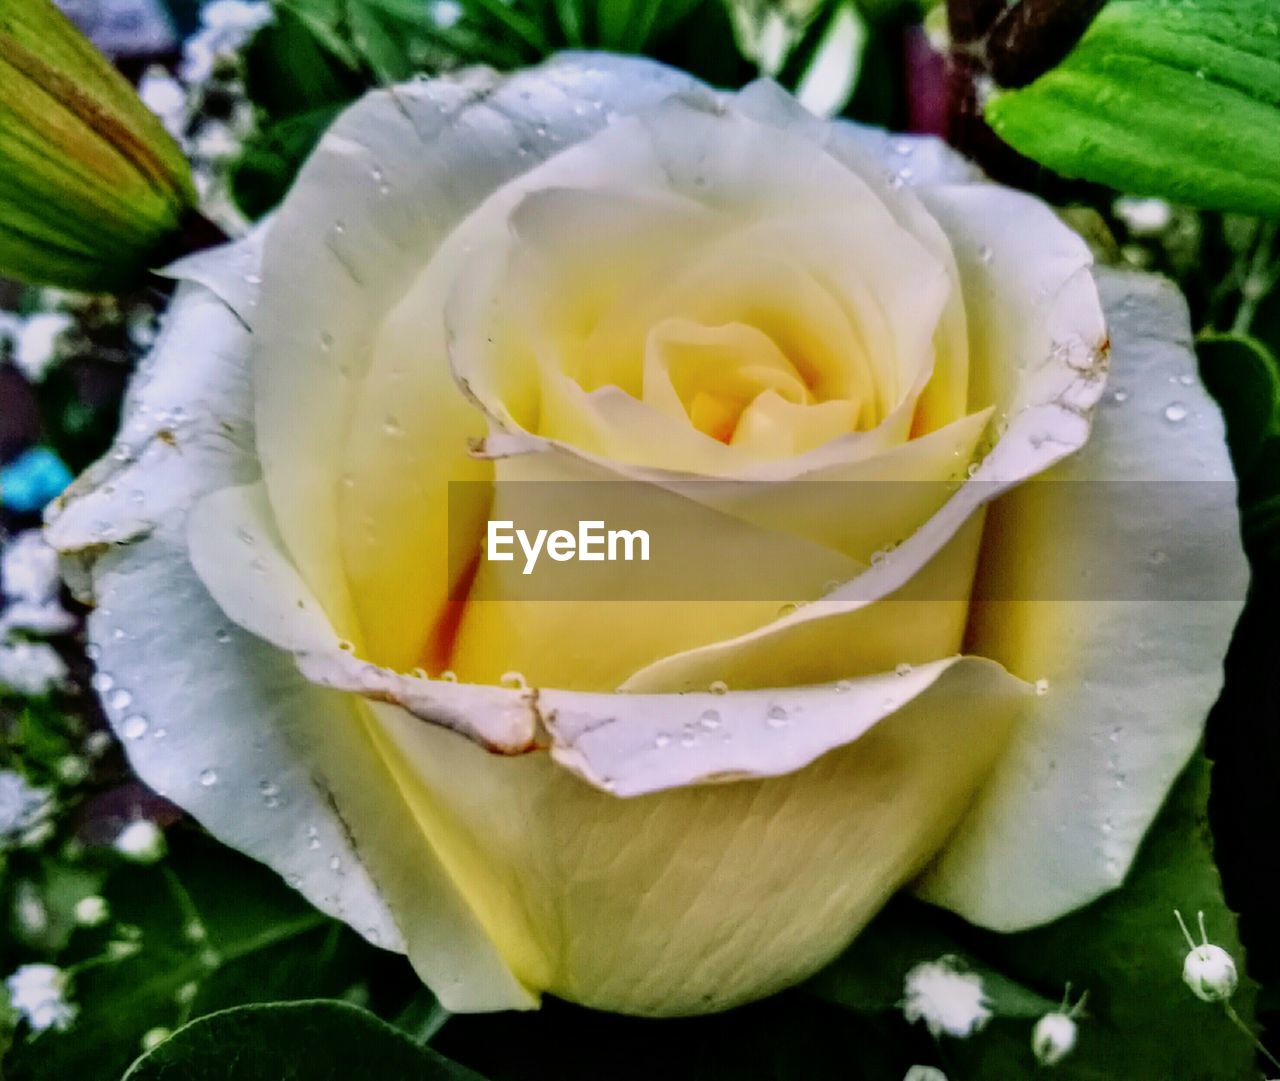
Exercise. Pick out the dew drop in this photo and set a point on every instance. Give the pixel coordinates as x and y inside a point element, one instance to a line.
<point>222,635</point>
<point>985,254</point>
<point>718,686</point>
<point>776,717</point>
<point>313,838</point>
<point>102,682</point>
<point>514,680</point>
<point>335,863</point>
<point>844,686</point>
<point>134,727</point>
<point>902,669</point>
<point>1120,396</point>
<point>1175,412</point>
<point>709,719</point>
<point>160,733</point>
<point>208,778</point>
<point>1042,687</point>
<point>661,740</point>
<point>326,340</point>
<point>449,675</point>
<point>119,700</point>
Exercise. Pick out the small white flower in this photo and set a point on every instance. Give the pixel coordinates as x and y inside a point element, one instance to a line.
<point>30,668</point>
<point>1208,970</point>
<point>945,998</point>
<point>141,841</point>
<point>48,619</point>
<point>36,347</point>
<point>227,26</point>
<point>29,911</point>
<point>154,1037</point>
<point>22,805</point>
<point>163,95</point>
<point>1053,1038</point>
<point>1144,217</point>
<point>925,1073</point>
<point>39,993</point>
<point>29,569</point>
<point>92,911</point>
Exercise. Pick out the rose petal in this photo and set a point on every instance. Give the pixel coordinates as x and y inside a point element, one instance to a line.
<point>1129,680</point>
<point>386,185</point>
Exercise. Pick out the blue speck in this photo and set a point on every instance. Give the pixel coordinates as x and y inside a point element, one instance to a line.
<point>32,479</point>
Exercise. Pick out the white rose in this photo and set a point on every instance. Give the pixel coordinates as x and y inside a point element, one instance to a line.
<point>600,269</point>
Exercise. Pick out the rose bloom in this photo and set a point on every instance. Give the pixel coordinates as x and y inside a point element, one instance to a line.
<point>602,270</point>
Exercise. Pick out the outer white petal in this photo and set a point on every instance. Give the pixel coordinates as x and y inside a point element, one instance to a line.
<point>1129,680</point>
<point>183,700</point>
<point>215,719</point>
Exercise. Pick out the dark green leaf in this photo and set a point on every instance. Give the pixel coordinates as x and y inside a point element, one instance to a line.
<point>1243,375</point>
<point>1176,98</point>
<point>318,1040</point>
<point>212,929</point>
<point>1125,950</point>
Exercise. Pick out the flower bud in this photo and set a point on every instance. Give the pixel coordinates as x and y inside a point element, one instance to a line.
<point>140,841</point>
<point>94,188</point>
<point>1210,973</point>
<point>1208,970</point>
<point>1053,1038</point>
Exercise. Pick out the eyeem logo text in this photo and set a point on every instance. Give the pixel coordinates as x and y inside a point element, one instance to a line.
<point>591,544</point>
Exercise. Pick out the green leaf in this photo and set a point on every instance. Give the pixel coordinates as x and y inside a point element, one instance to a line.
<point>1243,376</point>
<point>1174,98</point>
<point>201,931</point>
<point>868,977</point>
<point>1125,950</point>
<point>302,1041</point>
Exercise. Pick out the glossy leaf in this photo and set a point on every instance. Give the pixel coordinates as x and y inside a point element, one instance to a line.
<point>1174,98</point>
<point>319,1040</point>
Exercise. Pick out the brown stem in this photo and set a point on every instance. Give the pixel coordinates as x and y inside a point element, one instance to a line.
<point>1035,35</point>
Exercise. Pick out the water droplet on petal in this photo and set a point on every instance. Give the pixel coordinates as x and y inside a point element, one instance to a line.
<point>902,669</point>
<point>776,717</point>
<point>1175,412</point>
<point>134,727</point>
<point>208,778</point>
<point>1042,687</point>
<point>718,686</point>
<point>514,680</point>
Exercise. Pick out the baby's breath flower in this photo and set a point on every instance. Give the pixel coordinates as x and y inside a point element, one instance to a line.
<point>37,344</point>
<point>30,668</point>
<point>22,805</point>
<point>39,993</point>
<point>140,841</point>
<point>92,911</point>
<point>29,569</point>
<point>1208,970</point>
<point>945,998</point>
